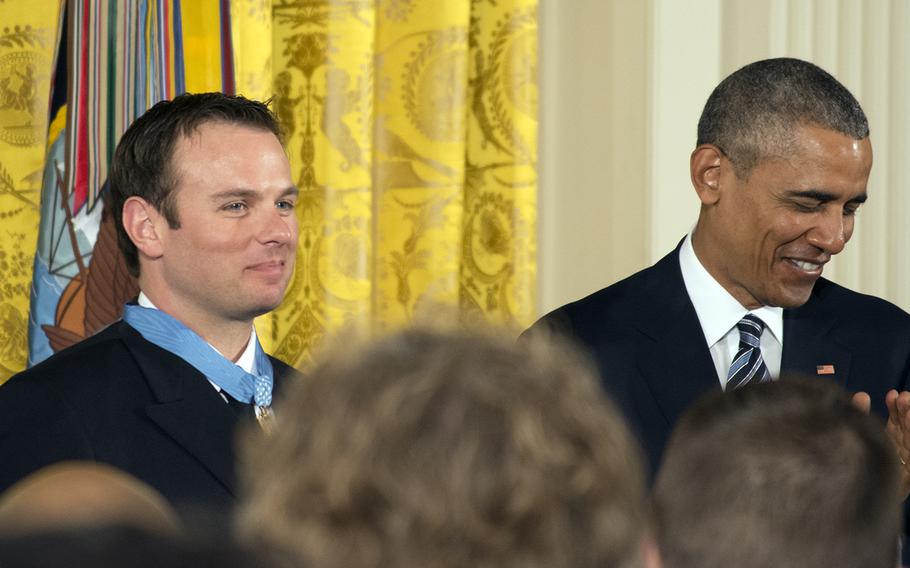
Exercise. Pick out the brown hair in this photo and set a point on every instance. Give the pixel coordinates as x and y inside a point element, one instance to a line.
<point>446,449</point>
<point>786,474</point>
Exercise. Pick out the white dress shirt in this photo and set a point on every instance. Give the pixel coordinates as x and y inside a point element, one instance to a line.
<point>718,313</point>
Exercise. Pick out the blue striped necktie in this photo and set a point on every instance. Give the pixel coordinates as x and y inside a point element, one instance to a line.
<point>748,365</point>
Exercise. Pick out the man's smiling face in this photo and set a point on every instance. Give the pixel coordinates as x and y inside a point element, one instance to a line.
<point>770,235</point>
<point>233,254</point>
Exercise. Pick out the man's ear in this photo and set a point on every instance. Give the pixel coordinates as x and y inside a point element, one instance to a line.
<point>704,168</point>
<point>142,222</point>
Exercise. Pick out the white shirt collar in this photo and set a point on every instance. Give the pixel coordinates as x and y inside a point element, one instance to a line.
<point>247,359</point>
<point>717,310</point>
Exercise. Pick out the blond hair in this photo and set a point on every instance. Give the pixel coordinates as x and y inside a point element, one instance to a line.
<point>449,449</point>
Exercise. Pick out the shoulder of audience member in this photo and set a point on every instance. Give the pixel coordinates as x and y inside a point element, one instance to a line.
<point>117,545</point>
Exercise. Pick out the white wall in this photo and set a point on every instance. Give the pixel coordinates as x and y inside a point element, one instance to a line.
<point>623,83</point>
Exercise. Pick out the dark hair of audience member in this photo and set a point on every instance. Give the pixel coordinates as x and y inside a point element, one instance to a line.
<point>117,546</point>
<point>786,474</point>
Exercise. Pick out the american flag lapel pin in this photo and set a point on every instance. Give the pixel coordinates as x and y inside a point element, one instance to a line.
<point>824,369</point>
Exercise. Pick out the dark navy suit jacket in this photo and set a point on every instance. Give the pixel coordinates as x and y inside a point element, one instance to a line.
<point>653,358</point>
<point>118,399</point>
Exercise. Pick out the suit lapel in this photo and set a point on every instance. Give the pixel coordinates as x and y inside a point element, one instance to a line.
<point>187,407</point>
<point>283,374</point>
<point>675,360</point>
<point>810,345</point>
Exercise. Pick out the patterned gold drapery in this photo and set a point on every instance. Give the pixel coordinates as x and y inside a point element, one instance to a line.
<point>412,132</point>
<point>27,35</point>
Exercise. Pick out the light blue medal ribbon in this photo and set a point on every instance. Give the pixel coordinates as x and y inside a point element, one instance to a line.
<point>166,332</point>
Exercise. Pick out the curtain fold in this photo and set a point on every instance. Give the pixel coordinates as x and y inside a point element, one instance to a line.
<point>412,131</point>
<point>28,36</point>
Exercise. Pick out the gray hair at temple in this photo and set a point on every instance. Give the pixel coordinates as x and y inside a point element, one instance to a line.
<point>750,115</point>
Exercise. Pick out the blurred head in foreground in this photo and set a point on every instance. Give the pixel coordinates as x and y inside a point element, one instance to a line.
<point>447,449</point>
<point>79,495</point>
<point>785,474</point>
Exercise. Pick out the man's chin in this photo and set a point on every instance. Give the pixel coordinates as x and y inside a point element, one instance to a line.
<point>267,307</point>
<point>791,299</point>
<point>262,305</point>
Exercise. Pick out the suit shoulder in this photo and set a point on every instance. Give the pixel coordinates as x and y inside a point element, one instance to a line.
<point>619,301</point>
<point>856,305</point>
<point>80,361</point>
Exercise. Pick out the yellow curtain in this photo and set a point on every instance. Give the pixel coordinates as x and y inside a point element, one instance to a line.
<point>201,53</point>
<point>251,36</point>
<point>27,37</point>
<point>412,131</point>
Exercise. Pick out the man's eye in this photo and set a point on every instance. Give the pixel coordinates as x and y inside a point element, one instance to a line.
<point>236,206</point>
<point>285,205</point>
<point>851,210</point>
<point>809,207</point>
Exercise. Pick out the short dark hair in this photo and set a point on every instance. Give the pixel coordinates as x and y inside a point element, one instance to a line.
<point>751,114</point>
<point>142,165</point>
<point>118,545</point>
<point>433,448</point>
<point>786,474</point>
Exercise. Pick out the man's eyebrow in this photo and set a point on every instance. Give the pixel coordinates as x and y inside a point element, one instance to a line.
<point>233,194</point>
<point>241,193</point>
<point>825,196</point>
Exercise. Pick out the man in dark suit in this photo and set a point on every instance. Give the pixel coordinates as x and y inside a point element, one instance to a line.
<point>203,201</point>
<point>781,165</point>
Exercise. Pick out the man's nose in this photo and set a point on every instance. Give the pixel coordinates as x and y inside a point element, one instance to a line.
<point>278,227</point>
<point>832,231</point>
